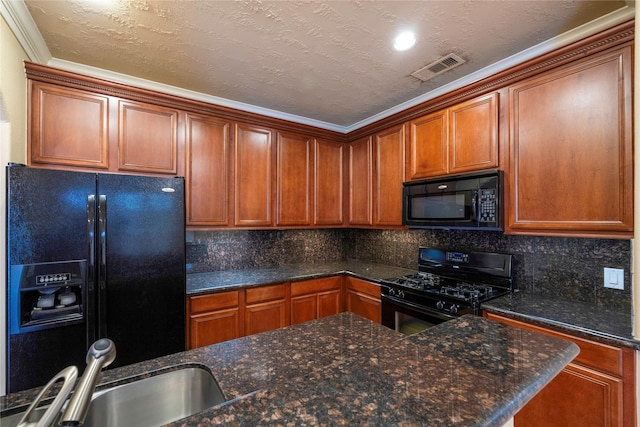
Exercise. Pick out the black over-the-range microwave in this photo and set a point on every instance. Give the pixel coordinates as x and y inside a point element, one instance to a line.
<point>471,202</point>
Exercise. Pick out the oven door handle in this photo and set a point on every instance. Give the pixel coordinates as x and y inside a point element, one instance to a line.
<point>418,308</point>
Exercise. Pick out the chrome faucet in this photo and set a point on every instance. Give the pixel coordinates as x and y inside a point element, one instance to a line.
<point>100,355</point>
<point>68,376</point>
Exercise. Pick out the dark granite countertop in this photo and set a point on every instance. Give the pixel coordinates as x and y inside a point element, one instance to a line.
<point>234,279</point>
<point>347,370</point>
<point>577,318</point>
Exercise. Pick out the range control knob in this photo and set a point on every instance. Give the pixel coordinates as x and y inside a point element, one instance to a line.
<point>440,305</point>
<point>392,292</point>
<point>454,308</point>
<point>400,294</point>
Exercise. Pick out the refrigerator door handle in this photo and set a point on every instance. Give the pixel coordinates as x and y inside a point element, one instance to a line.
<point>91,230</point>
<point>102,229</point>
<point>102,267</point>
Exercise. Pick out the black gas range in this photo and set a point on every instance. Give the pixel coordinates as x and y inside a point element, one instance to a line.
<point>447,285</point>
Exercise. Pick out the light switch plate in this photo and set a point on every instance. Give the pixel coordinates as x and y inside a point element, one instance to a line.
<point>614,278</point>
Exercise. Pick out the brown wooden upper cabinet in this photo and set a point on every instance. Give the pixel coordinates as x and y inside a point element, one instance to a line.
<point>376,169</point>
<point>253,176</point>
<point>71,127</point>
<point>388,175</point>
<point>147,138</point>
<point>68,127</point>
<point>329,178</point>
<point>294,177</point>
<point>208,151</point>
<point>458,139</point>
<point>360,182</point>
<point>571,149</point>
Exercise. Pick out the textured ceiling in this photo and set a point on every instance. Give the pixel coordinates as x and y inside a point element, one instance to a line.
<point>331,61</point>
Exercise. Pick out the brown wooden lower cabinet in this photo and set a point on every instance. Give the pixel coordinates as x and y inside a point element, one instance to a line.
<point>363,298</point>
<point>222,316</point>
<point>596,389</point>
<point>315,298</point>
<point>265,309</point>
<point>214,318</point>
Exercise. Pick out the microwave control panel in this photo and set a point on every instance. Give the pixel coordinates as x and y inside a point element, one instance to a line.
<point>488,205</point>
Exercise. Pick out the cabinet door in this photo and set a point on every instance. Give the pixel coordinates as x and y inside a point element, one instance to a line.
<point>473,134</point>
<point>388,148</point>
<point>360,182</point>
<point>265,309</point>
<point>329,183</point>
<point>147,138</point>
<point>578,397</point>
<point>329,303</point>
<point>304,308</point>
<point>214,327</point>
<point>68,127</point>
<point>207,170</point>
<point>253,176</point>
<point>264,317</point>
<point>571,149</point>
<point>363,298</point>
<point>427,146</point>
<point>214,318</point>
<point>294,179</point>
<point>316,298</point>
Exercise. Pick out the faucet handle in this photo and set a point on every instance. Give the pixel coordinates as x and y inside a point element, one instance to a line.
<point>69,376</point>
<point>104,347</point>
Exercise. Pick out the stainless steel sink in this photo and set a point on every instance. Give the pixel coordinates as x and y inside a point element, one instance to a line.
<point>152,401</point>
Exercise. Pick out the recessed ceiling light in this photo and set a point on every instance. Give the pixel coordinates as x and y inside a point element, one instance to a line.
<point>404,41</point>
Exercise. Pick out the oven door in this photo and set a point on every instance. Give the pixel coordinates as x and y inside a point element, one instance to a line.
<point>408,318</point>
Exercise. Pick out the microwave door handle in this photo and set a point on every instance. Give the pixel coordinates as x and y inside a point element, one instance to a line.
<point>474,206</point>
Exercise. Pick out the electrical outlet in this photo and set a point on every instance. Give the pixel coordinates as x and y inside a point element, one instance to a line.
<point>614,278</point>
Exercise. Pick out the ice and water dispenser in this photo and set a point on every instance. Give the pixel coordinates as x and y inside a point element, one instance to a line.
<point>46,295</point>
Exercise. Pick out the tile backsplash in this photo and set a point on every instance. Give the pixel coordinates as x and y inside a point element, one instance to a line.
<point>571,268</point>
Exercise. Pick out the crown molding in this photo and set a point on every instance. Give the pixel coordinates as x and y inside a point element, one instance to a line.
<point>20,21</point>
<point>188,94</point>
<point>607,21</point>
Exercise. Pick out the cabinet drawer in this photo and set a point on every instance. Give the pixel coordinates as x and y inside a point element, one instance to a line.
<point>316,285</point>
<point>602,357</point>
<point>363,286</point>
<point>217,301</point>
<point>265,293</point>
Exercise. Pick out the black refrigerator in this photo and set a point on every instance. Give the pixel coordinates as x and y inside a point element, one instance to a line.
<point>90,256</point>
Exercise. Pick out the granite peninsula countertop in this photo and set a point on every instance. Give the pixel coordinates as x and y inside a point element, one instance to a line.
<point>234,279</point>
<point>577,318</point>
<point>347,370</point>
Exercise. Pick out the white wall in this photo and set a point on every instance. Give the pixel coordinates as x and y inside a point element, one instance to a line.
<point>13,137</point>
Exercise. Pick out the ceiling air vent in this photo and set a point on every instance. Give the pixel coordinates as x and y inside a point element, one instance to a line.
<point>438,67</point>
